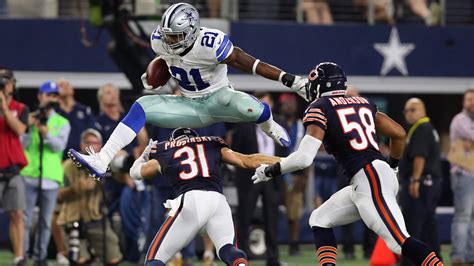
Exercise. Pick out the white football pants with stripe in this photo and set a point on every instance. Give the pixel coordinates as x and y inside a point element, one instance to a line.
<point>191,212</point>
<point>371,196</point>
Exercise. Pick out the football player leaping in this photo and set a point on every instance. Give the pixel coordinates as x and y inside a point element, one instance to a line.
<point>192,166</point>
<point>348,127</point>
<point>197,58</point>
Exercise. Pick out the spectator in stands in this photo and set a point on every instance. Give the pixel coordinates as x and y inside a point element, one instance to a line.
<point>296,181</point>
<point>47,137</point>
<point>316,11</point>
<point>420,174</point>
<point>82,199</point>
<point>123,194</point>
<point>462,183</point>
<point>13,123</point>
<point>214,7</point>
<point>382,9</point>
<point>431,15</point>
<point>248,138</point>
<point>80,116</point>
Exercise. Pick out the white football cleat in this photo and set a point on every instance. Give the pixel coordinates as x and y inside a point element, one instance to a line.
<point>279,135</point>
<point>91,163</point>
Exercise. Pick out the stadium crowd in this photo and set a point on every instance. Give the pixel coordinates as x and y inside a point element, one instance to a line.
<point>116,219</point>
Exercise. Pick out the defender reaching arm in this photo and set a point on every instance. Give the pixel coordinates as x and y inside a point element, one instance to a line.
<point>143,167</point>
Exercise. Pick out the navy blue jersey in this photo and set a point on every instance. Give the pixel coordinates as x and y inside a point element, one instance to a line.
<point>191,164</point>
<point>349,125</point>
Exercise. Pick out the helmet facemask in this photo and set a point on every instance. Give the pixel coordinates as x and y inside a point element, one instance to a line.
<point>182,28</point>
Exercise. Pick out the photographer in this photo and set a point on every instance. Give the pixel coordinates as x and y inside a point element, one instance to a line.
<point>46,139</point>
<point>81,211</point>
<point>13,123</point>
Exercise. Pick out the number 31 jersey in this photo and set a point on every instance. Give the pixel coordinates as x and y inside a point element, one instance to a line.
<point>199,71</point>
<point>349,125</point>
<point>191,164</point>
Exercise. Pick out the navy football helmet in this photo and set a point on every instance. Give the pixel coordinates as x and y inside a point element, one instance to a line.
<point>183,132</point>
<point>326,79</point>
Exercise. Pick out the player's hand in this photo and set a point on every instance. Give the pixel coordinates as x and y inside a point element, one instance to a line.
<point>145,84</point>
<point>299,86</point>
<point>259,175</point>
<point>414,189</point>
<point>150,148</point>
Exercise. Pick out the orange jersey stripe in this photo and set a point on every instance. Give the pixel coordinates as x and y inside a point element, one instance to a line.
<point>315,120</point>
<point>315,116</point>
<point>378,199</point>
<point>317,110</point>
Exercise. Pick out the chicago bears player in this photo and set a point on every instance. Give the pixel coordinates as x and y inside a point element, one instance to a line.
<point>197,58</point>
<point>348,128</point>
<point>192,166</point>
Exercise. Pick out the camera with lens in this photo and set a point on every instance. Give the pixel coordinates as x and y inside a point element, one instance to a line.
<point>42,113</point>
<point>74,231</point>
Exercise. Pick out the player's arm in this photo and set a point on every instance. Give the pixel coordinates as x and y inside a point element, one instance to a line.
<point>150,169</point>
<point>246,161</point>
<point>300,159</point>
<point>247,63</point>
<point>143,167</point>
<point>389,128</point>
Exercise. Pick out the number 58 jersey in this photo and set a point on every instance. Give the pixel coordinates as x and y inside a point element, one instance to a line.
<point>349,125</point>
<point>191,164</point>
<point>199,71</point>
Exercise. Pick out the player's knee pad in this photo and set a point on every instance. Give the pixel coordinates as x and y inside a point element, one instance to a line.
<point>318,219</point>
<point>233,256</point>
<point>154,263</point>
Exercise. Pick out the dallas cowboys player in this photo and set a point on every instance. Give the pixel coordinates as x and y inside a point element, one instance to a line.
<point>197,58</point>
<point>192,166</point>
<point>348,126</point>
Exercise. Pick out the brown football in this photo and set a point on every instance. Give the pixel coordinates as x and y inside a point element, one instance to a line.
<point>157,73</point>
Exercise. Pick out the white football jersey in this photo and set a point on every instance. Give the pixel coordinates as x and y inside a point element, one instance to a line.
<point>200,70</point>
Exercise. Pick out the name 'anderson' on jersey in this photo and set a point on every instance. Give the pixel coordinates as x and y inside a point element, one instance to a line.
<point>349,125</point>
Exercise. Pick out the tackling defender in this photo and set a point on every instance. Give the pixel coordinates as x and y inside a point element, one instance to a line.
<point>197,58</point>
<point>192,165</point>
<point>348,127</point>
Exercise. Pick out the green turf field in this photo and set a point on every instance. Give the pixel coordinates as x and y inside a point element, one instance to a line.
<point>306,259</point>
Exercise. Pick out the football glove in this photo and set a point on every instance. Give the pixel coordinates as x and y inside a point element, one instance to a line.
<point>260,175</point>
<point>145,84</point>
<point>296,83</point>
<point>144,157</point>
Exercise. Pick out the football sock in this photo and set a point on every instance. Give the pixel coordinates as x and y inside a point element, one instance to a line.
<point>121,137</point>
<point>154,263</point>
<point>266,114</point>
<point>326,246</point>
<point>124,133</point>
<point>233,256</point>
<point>420,253</point>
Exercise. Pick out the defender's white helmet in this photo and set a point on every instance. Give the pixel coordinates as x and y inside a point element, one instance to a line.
<point>179,27</point>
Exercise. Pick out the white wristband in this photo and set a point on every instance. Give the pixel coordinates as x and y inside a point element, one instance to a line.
<point>282,73</point>
<point>254,67</point>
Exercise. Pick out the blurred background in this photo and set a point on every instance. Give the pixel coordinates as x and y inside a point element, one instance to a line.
<point>391,50</point>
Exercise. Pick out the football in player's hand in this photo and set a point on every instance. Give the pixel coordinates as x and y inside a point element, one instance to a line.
<point>157,73</point>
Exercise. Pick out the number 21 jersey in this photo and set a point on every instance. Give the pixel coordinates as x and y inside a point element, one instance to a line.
<point>349,125</point>
<point>191,164</point>
<point>199,71</point>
